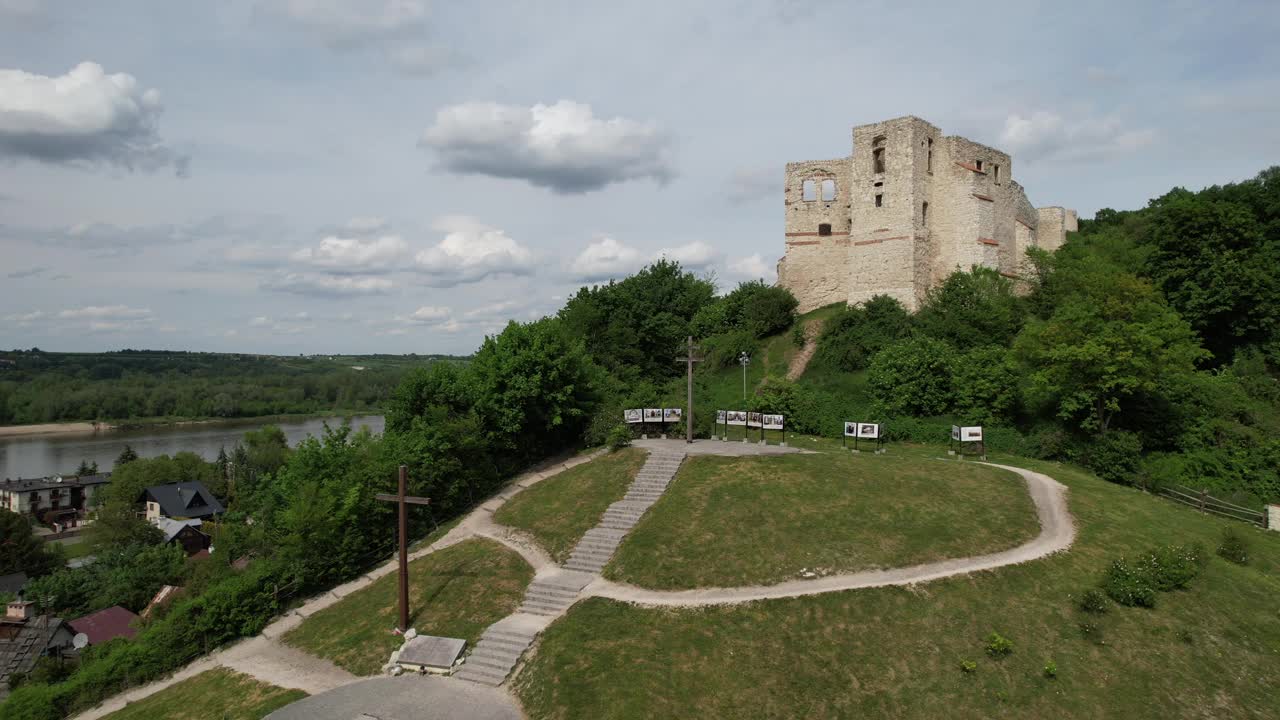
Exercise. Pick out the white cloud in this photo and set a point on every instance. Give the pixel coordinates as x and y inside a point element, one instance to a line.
<point>753,267</point>
<point>429,314</point>
<point>472,251</point>
<point>1042,135</point>
<point>498,309</point>
<point>85,117</point>
<point>260,321</point>
<point>563,147</point>
<point>25,319</point>
<point>105,311</point>
<point>328,285</point>
<point>354,255</point>
<point>603,259</point>
<point>344,24</point>
<point>696,255</point>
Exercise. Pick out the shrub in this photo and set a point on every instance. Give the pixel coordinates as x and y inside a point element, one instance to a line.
<point>851,338</point>
<point>723,349</point>
<point>1093,601</point>
<point>968,667</point>
<point>1129,585</point>
<point>986,385</point>
<point>971,309</point>
<point>1051,669</point>
<point>1114,456</point>
<point>1233,547</point>
<point>1172,567</point>
<point>912,377</point>
<point>619,437</point>
<point>1092,632</point>
<point>798,336</point>
<point>999,646</point>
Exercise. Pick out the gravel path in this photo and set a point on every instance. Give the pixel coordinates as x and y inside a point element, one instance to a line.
<point>1057,532</point>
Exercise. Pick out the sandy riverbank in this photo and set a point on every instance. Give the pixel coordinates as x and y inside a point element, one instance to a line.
<point>52,429</point>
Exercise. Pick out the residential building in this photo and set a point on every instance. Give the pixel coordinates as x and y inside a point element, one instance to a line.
<point>26,637</point>
<point>106,625</point>
<point>180,501</point>
<point>65,498</point>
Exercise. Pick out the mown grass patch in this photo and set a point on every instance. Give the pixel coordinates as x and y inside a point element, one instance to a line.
<point>219,693</point>
<point>560,509</point>
<point>1206,651</point>
<point>454,592</point>
<point>726,522</point>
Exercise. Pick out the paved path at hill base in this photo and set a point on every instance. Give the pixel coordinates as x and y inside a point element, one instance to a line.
<point>409,697</point>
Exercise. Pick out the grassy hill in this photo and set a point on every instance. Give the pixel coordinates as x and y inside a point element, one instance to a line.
<point>1212,650</point>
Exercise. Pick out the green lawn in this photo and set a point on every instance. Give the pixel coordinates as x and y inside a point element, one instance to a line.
<point>557,511</point>
<point>74,550</point>
<point>219,693</point>
<point>454,592</point>
<point>727,522</point>
<point>1211,651</point>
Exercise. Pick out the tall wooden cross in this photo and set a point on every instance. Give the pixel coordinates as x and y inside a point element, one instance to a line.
<point>689,360</point>
<point>403,499</point>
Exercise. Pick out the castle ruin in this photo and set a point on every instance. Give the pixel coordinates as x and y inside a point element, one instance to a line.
<point>906,209</point>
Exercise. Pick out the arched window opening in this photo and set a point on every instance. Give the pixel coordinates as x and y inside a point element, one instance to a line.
<point>877,154</point>
<point>809,191</point>
<point>828,190</point>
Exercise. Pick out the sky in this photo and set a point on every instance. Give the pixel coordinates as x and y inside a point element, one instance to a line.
<point>394,176</point>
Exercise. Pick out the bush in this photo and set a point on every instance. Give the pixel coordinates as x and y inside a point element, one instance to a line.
<point>999,646</point>
<point>1134,582</point>
<point>968,667</point>
<point>1114,456</point>
<point>619,437</point>
<point>1093,601</point>
<point>1233,547</point>
<point>1129,585</point>
<point>1092,632</point>
<point>986,386</point>
<point>722,350</point>
<point>971,309</point>
<point>798,336</point>
<point>851,338</point>
<point>912,377</point>
<point>1051,670</point>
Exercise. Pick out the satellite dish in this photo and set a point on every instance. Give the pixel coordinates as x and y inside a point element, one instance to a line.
<point>80,641</point>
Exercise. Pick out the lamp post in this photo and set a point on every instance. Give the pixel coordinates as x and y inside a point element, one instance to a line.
<point>745,360</point>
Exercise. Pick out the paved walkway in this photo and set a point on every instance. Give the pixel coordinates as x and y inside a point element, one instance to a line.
<point>409,697</point>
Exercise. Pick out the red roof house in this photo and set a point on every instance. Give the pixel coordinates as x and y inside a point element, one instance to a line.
<point>106,625</point>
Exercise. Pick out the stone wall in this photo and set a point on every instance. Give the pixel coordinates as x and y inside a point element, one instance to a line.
<point>1273,517</point>
<point>910,207</point>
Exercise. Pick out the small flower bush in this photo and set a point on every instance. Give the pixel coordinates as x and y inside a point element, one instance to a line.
<point>999,646</point>
<point>1233,547</point>
<point>1093,601</point>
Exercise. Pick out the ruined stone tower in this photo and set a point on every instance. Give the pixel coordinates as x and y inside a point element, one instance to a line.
<point>906,209</point>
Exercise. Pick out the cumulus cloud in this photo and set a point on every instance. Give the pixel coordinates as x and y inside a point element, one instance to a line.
<point>1044,135</point>
<point>354,255</point>
<point>429,314</point>
<point>696,255</point>
<point>603,259</point>
<point>471,251</point>
<point>500,309</point>
<point>25,319</point>
<point>85,117</point>
<point>563,147</point>
<point>753,267</point>
<point>328,285</point>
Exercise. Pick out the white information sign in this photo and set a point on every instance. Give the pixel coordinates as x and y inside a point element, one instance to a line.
<point>851,429</point>
<point>754,419</point>
<point>721,417</point>
<point>772,422</point>
<point>955,432</point>
<point>653,415</point>
<point>971,434</point>
<point>868,431</point>
<point>671,415</point>
<point>632,416</point>
<point>737,417</point>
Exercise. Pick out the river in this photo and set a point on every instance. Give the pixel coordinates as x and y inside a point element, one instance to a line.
<point>41,455</point>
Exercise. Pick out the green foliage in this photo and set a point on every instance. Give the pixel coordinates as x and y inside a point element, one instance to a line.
<point>998,646</point>
<point>912,377</point>
<point>1115,456</point>
<point>1233,547</point>
<point>127,576</point>
<point>1093,601</point>
<point>972,309</point>
<point>128,482</point>
<point>851,338</point>
<point>1135,581</point>
<point>1092,631</point>
<point>1050,670</point>
<point>1129,584</point>
<point>127,455</point>
<point>634,328</point>
<point>986,386</point>
<point>20,551</point>
<point>798,336</point>
<point>722,350</point>
<point>619,437</point>
<point>968,667</point>
<point>117,526</point>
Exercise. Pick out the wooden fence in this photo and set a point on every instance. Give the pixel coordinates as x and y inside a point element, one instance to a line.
<point>1204,502</point>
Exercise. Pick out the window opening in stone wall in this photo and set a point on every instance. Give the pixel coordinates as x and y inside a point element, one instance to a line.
<point>978,164</point>
<point>997,172</point>
<point>924,213</point>
<point>824,229</point>
<point>928,161</point>
<point>877,154</point>
<point>879,200</point>
<point>828,190</point>
<point>809,191</point>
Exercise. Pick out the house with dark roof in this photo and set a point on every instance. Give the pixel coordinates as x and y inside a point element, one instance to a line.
<point>106,625</point>
<point>180,501</point>
<point>60,498</point>
<point>186,533</point>
<point>25,638</point>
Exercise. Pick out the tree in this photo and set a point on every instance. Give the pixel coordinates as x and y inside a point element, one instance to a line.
<point>972,309</point>
<point>127,455</point>
<point>87,468</point>
<point>268,449</point>
<point>912,377</point>
<point>117,526</point>
<point>986,385</point>
<point>20,551</point>
<point>856,333</point>
<point>1102,346</point>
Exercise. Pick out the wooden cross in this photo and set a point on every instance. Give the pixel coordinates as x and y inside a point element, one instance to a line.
<point>689,360</point>
<point>403,499</point>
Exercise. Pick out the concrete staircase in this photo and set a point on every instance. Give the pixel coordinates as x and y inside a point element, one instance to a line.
<point>597,546</point>
<point>550,594</point>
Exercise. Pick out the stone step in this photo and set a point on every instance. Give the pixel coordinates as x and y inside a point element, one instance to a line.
<point>509,635</point>
<point>602,533</point>
<point>501,664</point>
<point>550,598</point>
<point>541,610</point>
<point>623,513</point>
<point>493,652</point>
<point>589,559</point>
<point>552,583</point>
<point>481,675</point>
<point>619,524</point>
<point>594,569</point>
<point>501,644</point>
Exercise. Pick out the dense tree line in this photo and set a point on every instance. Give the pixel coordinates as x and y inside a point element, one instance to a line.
<point>130,385</point>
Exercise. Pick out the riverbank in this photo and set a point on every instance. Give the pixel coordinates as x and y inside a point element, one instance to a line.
<point>89,428</point>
